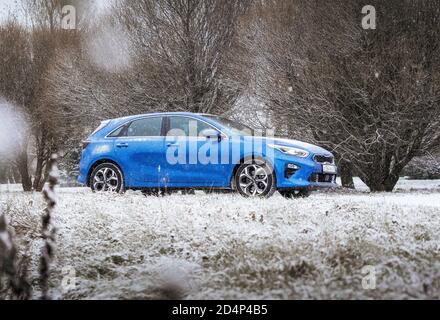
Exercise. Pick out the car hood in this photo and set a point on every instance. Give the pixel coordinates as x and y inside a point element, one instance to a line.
<point>298,144</point>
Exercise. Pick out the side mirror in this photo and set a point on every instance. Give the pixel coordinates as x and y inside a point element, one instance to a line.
<point>211,134</point>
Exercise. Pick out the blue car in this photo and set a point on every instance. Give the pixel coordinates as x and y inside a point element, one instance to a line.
<point>186,151</point>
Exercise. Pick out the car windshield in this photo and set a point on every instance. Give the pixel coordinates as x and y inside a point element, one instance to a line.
<point>236,127</point>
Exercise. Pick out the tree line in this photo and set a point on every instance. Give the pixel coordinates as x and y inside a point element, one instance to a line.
<point>305,67</point>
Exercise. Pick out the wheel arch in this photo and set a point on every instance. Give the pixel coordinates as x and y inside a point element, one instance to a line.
<point>99,162</point>
<point>251,158</point>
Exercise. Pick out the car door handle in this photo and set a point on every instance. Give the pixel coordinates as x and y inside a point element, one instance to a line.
<point>172,145</point>
<point>122,145</point>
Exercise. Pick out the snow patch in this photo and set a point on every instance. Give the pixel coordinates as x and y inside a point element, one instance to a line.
<point>109,49</point>
<point>13,129</point>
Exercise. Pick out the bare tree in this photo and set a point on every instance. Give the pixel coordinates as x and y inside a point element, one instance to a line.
<point>371,96</point>
<point>27,53</point>
<point>16,84</point>
<point>185,52</point>
<point>147,56</point>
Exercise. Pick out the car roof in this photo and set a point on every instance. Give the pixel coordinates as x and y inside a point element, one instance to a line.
<point>127,118</point>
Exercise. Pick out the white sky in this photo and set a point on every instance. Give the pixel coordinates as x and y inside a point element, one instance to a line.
<point>7,6</point>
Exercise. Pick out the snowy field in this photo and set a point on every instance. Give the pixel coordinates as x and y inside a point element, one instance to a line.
<point>226,247</point>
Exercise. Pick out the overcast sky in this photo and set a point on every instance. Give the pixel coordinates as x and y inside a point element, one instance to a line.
<point>6,3</point>
<point>6,6</point>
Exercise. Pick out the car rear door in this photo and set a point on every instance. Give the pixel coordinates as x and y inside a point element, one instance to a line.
<point>140,152</point>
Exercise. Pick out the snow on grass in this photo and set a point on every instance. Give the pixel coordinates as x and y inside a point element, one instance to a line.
<point>403,184</point>
<point>226,247</point>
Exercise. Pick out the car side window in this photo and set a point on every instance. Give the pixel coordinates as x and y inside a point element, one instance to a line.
<point>148,127</point>
<point>117,133</point>
<point>187,127</point>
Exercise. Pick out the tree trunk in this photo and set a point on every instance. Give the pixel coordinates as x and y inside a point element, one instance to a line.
<point>43,179</point>
<point>38,172</point>
<point>346,171</point>
<point>16,177</point>
<point>382,185</point>
<point>41,145</point>
<point>3,175</point>
<point>390,182</point>
<point>22,166</point>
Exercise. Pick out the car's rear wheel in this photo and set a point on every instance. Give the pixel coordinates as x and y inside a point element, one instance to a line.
<point>296,194</point>
<point>255,179</point>
<point>107,177</point>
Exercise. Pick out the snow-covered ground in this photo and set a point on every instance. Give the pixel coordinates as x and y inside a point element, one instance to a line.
<point>223,246</point>
<point>404,184</point>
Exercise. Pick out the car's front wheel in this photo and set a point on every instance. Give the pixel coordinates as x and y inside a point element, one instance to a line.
<point>255,179</point>
<point>107,177</point>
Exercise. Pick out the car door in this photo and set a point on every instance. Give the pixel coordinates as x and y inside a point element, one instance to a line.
<point>193,160</point>
<point>140,151</point>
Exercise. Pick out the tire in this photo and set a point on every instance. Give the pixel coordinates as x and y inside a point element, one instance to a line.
<point>255,179</point>
<point>296,194</point>
<point>107,177</point>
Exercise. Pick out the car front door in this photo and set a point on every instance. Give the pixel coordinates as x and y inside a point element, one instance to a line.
<point>193,160</point>
<point>140,151</point>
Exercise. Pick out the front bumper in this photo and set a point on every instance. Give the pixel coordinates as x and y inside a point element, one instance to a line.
<point>309,174</point>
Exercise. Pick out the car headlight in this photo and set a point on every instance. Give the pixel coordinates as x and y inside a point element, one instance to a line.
<point>296,152</point>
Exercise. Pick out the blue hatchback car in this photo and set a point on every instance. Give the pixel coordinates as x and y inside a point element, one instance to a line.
<point>186,151</point>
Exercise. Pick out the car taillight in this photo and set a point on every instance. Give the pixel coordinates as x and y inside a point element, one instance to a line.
<point>84,144</point>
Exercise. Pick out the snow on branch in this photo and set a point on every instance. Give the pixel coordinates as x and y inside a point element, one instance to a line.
<point>48,231</point>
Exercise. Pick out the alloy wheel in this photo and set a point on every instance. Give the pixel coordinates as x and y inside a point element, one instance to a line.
<point>254,180</point>
<point>106,180</point>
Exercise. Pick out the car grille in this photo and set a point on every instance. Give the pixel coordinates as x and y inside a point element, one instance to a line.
<point>323,159</point>
<point>322,178</point>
